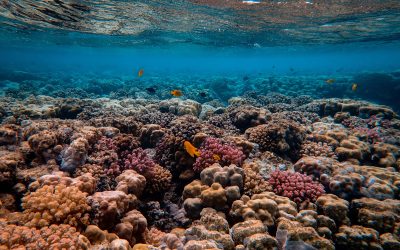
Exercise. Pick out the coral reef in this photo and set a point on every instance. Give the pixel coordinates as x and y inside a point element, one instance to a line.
<point>57,204</point>
<point>274,172</point>
<point>214,151</point>
<point>280,136</point>
<point>297,187</point>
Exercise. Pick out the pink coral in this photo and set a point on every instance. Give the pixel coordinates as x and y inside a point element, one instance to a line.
<point>297,187</point>
<point>139,161</point>
<point>158,178</point>
<point>105,154</point>
<point>214,151</point>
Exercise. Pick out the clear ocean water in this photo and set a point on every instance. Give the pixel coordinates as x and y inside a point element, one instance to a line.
<point>192,43</point>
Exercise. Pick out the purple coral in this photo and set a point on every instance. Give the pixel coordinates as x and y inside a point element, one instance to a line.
<point>296,186</point>
<point>214,151</point>
<point>139,161</point>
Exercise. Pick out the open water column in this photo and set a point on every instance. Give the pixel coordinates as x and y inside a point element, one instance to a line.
<point>200,124</point>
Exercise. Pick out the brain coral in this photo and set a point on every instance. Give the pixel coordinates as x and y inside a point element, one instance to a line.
<point>56,205</point>
<point>279,136</point>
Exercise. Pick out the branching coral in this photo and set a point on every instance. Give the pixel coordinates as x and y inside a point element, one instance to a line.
<point>297,187</point>
<point>158,178</point>
<point>51,237</point>
<point>214,151</point>
<point>139,161</point>
<point>56,204</point>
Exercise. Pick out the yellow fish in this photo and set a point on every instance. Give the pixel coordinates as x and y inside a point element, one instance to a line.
<point>190,149</point>
<point>176,92</point>
<point>330,81</point>
<point>140,72</point>
<point>354,86</point>
<point>216,157</point>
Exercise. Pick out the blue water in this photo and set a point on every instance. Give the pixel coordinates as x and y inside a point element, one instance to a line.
<point>190,43</point>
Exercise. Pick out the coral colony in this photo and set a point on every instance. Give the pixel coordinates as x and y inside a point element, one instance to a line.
<point>317,174</point>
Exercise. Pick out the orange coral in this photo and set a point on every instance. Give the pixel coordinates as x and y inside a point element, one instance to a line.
<point>56,204</point>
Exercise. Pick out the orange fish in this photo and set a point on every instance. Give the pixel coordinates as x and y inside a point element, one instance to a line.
<point>330,81</point>
<point>140,72</point>
<point>190,149</point>
<point>354,86</point>
<point>176,92</point>
<point>216,157</point>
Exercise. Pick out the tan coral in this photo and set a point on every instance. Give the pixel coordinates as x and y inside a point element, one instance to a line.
<point>281,137</point>
<point>200,232</point>
<point>296,232</point>
<point>226,176</point>
<point>85,183</point>
<point>159,180</point>
<point>311,148</point>
<point>200,245</point>
<point>101,239</point>
<point>9,134</point>
<point>43,143</point>
<point>95,170</point>
<point>56,204</point>
<point>132,227</point>
<point>254,182</point>
<point>214,197</point>
<point>193,189</point>
<point>379,215</point>
<point>334,207</point>
<point>211,226</point>
<point>109,206</point>
<point>266,207</point>
<point>150,135</point>
<point>385,154</point>
<point>154,237</point>
<point>390,241</point>
<point>320,167</point>
<point>131,182</point>
<point>180,107</point>
<point>51,237</point>
<point>240,231</point>
<point>260,241</point>
<point>357,237</point>
<point>353,149</point>
<point>9,161</point>
<point>371,110</point>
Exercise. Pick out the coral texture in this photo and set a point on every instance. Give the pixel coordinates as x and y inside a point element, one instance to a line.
<point>297,187</point>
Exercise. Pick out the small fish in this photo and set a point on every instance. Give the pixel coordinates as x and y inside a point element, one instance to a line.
<point>140,72</point>
<point>190,149</point>
<point>216,157</point>
<point>151,90</point>
<point>330,81</point>
<point>202,94</point>
<point>354,86</point>
<point>176,92</point>
<point>245,78</point>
